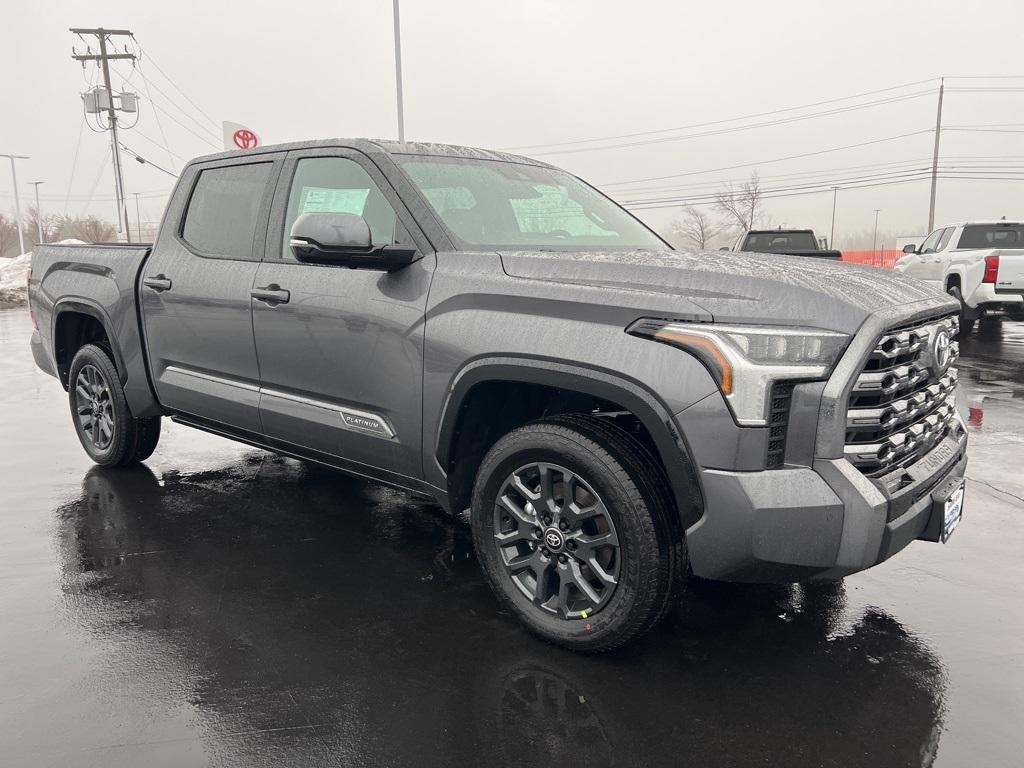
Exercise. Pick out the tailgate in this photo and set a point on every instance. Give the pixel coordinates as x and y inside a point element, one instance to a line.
<point>1010,277</point>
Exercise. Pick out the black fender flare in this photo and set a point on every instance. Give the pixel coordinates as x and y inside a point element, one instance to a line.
<point>670,443</point>
<point>88,307</point>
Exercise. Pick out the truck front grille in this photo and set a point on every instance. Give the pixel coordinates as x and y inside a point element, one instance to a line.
<point>904,400</point>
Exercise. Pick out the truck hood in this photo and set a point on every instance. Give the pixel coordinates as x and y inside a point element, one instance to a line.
<point>735,287</point>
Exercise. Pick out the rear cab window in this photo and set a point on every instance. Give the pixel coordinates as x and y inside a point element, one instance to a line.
<point>997,235</point>
<point>224,209</point>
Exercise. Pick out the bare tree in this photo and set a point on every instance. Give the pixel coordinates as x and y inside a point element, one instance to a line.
<point>696,228</point>
<point>33,220</point>
<point>89,229</point>
<point>8,236</point>
<point>742,206</point>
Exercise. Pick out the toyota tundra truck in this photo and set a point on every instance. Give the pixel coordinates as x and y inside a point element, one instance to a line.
<point>613,416</point>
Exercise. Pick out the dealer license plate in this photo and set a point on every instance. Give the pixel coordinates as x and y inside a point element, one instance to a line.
<point>952,512</point>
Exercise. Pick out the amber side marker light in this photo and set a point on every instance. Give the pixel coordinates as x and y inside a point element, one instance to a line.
<point>708,352</point>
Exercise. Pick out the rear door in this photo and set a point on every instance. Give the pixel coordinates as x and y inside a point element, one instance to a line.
<point>195,291</point>
<point>341,350</point>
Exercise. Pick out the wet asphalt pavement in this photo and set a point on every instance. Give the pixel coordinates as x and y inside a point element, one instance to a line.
<point>223,606</point>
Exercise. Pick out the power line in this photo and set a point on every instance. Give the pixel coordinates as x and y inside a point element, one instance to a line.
<point>199,124</point>
<point>772,160</point>
<point>156,115</point>
<point>723,121</point>
<point>144,161</point>
<point>144,53</point>
<point>772,194</point>
<point>185,127</point>
<point>74,163</point>
<point>898,167</point>
<point>735,129</point>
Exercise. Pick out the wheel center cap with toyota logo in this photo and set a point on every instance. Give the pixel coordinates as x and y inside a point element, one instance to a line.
<point>553,539</point>
<point>941,352</point>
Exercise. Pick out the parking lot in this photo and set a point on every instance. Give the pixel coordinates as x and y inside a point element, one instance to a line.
<point>223,605</point>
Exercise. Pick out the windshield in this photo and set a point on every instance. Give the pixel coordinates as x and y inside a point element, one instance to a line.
<point>512,205</point>
<point>992,236</point>
<point>777,242</point>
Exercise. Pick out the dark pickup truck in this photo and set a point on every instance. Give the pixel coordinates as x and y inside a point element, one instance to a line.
<point>493,333</point>
<point>791,242</point>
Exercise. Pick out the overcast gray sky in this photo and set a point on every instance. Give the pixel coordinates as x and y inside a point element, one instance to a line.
<point>540,72</point>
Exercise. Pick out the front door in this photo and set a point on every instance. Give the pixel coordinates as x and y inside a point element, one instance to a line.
<point>341,350</point>
<point>195,291</point>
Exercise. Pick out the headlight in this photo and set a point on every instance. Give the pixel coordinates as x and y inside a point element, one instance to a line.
<point>746,360</point>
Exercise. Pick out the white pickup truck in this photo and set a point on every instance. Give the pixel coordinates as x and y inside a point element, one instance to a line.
<point>979,263</point>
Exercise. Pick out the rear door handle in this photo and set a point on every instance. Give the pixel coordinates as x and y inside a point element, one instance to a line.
<point>272,294</point>
<point>158,283</point>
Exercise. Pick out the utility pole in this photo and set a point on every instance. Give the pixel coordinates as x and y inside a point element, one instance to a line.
<point>103,58</point>
<point>935,156</point>
<point>398,73</point>
<point>874,236</point>
<point>17,201</point>
<point>138,216</point>
<point>39,212</point>
<point>832,235</point>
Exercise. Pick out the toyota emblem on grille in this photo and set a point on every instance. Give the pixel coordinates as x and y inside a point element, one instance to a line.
<point>941,351</point>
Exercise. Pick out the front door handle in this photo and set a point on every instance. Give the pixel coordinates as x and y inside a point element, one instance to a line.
<point>158,283</point>
<point>272,294</point>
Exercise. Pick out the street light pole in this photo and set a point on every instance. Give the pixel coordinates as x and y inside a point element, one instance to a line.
<point>17,201</point>
<point>874,237</point>
<point>398,73</point>
<point>832,235</point>
<point>39,213</point>
<point>138,216</point>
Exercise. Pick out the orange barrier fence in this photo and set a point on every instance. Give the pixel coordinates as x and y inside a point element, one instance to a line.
<point>885,258</point>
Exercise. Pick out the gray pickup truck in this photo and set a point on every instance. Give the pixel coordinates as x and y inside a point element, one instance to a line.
<point>493,333</point>
<point>791,242</point>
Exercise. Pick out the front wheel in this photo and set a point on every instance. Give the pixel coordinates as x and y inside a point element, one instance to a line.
<point>106,428</point>
<point>577,533</point>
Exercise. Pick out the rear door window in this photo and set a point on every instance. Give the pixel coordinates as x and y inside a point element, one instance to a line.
<point>224,208</point>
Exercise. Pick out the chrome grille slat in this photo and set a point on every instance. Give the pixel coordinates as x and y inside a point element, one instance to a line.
<point>900,405</point>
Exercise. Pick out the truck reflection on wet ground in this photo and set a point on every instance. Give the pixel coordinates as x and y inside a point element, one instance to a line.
<point>282,596</point>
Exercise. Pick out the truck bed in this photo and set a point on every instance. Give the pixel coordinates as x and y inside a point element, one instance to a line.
<point>98,281</point>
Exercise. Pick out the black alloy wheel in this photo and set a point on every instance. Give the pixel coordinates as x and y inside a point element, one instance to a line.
<point>94,407</point>
<point>557,540</point>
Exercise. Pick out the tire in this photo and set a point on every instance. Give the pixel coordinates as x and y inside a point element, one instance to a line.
<point>966,324</point>
<point>106,428</point>
<point>990,326</point>
<point>613,473</point>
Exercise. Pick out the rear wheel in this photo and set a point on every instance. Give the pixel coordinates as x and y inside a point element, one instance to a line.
<point>109,433</point>
<point>576,532</point>
<point>966,324</point>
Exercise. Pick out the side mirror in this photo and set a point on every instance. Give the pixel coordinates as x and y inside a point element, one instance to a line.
<point>910,248</point>
<point>344,240</point>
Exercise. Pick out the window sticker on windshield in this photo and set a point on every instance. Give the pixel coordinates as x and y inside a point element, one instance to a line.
<point>325,200</point>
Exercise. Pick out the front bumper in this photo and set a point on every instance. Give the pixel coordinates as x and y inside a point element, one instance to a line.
<point>820,522</point>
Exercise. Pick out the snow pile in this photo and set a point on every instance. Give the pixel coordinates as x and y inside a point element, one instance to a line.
<point>14,280</point>
<point>14,277</point>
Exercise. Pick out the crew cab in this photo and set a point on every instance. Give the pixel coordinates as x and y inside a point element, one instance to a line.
<point>979,263</point>
<point>793,242</point>
<point>491,332</point>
